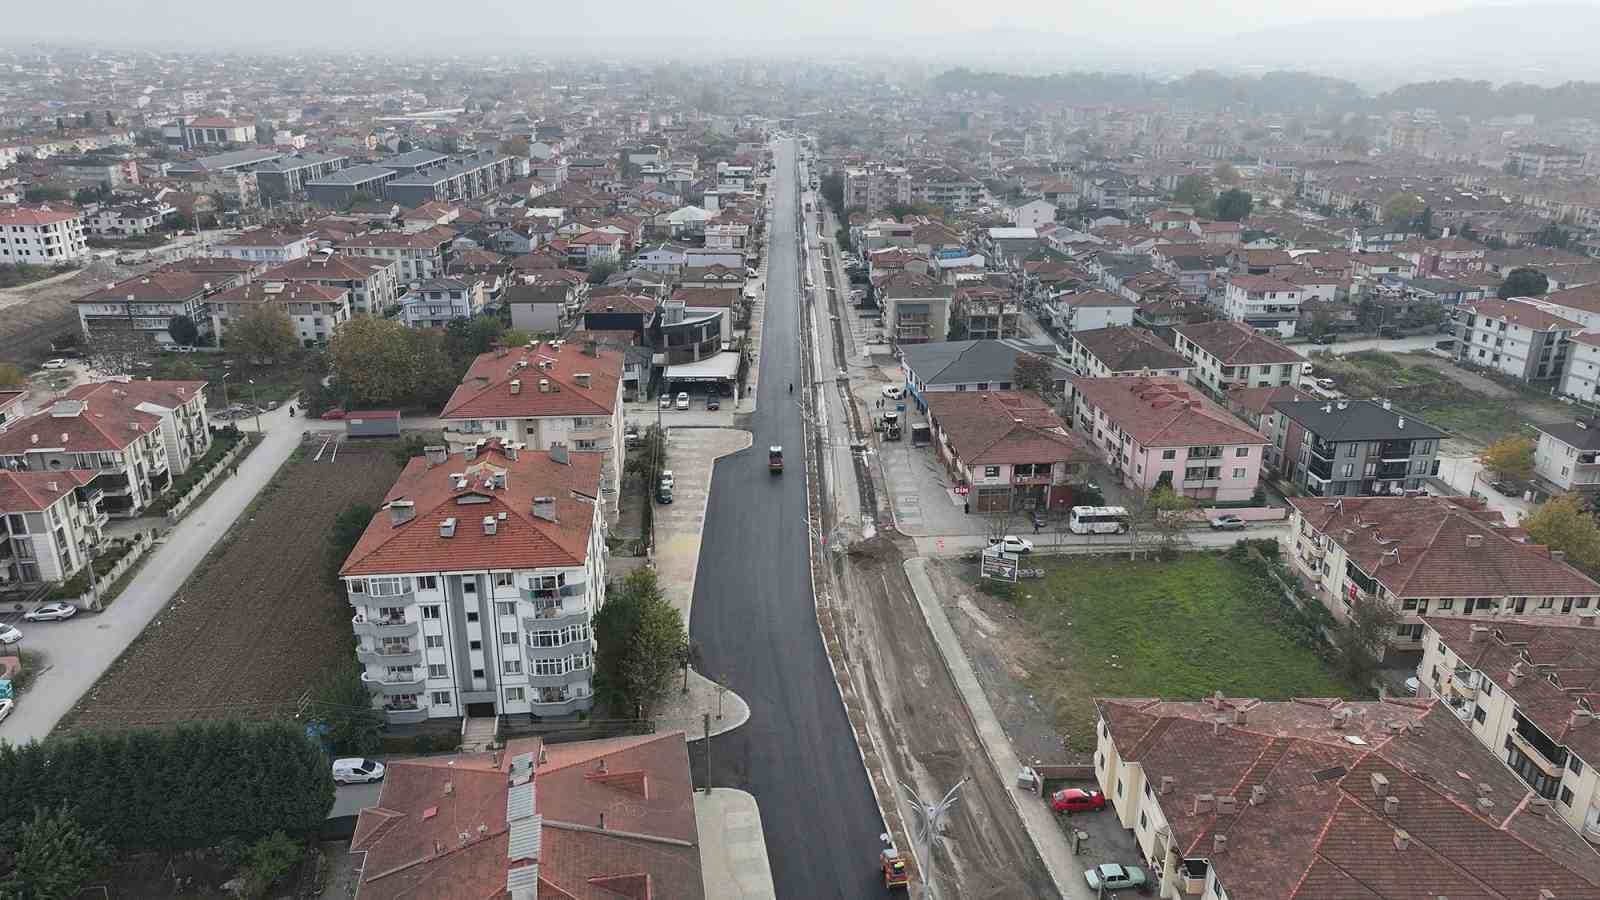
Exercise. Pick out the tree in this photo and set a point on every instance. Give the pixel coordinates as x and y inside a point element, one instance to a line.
<point>12,377</point>
<point>1193,191</point>
<point>1524,282</point>
<point>641,641</point>
<point>372,358</point>
<point>268,860</point>
<point>1032,372</point>
<point>54,857</point>
<point>1165,512</point>
<point>1321,324</point>
<point>114,351</point>
<point>264,333</point>
<point>1225,174</point>
<point>1561,523</point>
<point>465,338</point>
<point>958,330</point>
<point>1553,235</point>
<point>343,703</point>
<point>515,146</point>
<point>185,370</point>
<point>183,330</point>
<point>831,187</point>
<point>1401,209</point>
<point>1361,638</point>
<point>347,529</point>
<point>1233,205</point>
<point>651,458</point>
<point>600,271</point>
<point>1509,458</point>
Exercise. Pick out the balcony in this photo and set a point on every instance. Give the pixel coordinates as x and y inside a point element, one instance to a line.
<point>378,629</point>
<point>390,655</point>
<point>1534,756</point>
<point>1394,451</point>
<point>1320,468</point>
<point>402,599</point>
<point>560,708</point>
<point>1391,471</point>
<point>583,674</point>
<point>405,716</point>
<point>394,685</point>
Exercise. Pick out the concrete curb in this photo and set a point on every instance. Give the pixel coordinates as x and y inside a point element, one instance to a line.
<point>710,477</point>
<point>742,872</point>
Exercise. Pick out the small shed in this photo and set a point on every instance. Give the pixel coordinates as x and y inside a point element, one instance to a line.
<point>364,423</point>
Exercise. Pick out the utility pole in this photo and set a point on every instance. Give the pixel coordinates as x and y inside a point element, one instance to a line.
<point>256,405</point>
<point>706,719</point>
<point>932,823</point>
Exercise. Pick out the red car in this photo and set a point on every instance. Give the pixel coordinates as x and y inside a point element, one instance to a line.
<point>335,413</point>
<point>1071,800</point>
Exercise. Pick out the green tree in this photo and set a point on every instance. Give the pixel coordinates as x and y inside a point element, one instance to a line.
<point>54,857</point>
<point>1553,235</point>
<point>184,370</point>
<point>515,146</point>
<point>373,360</point>
<point>1561,523</point>
<point>1193,191</point>
<point>831,187</point>
<point>343,703</point>
<point>958,330</point>
<point>465,339</point>
<point>1225,174</point>
<point>46,194</point>
<point>347,529</point>
<point>1402,209</point>
<point>268,860</point>
<point>1031,372</point>
<point>1233,205</point>
<point>183,330</point>
<point>600,271</point>
<point>263,333</point>
<point>641,644</point>
<point>1524,282</point>
<point>1510,457</point>
<point>1321,324</point>
<point>1361,637</point>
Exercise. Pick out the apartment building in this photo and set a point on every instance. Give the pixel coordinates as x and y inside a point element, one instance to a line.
<point>1523,690</point>
<point>339,189</point>
<point>49,524</point>
<point>552,393</point>
<point>1567,457</point>
<point>1543,161</point>
<point>946,187</point>
<point>314,310</point>
<point>1228,355</point>
<point>374,284</point>
<point>211,132</point>
<point>1355,448</point>
<point>466,178</point>
<point>916,310</point>
<point>1516,337</point>
<point>421,255</point>
<point>126,221</point>
<point>267,246</point>
<point>475,584</point>
<point>435,302</point>
<point>974,366</point>
<point>986,312</point>
<point>876,187</point>
<point>41,236</point>
<point>143,306</point>
<point>1008,448</point>
<point>1429,555</point>
<point>137,435</point>
<point>285,178</point>
<point>1327,799</point>
<point>1263,302</point>
<point>1125,350</point>
<point>1160,431</point>
<point>1089,310</point>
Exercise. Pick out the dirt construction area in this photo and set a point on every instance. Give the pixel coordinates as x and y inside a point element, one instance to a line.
<point>32,315</point>
<point>258,623</point>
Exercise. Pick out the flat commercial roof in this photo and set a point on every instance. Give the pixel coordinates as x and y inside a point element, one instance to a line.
<point>352,175</point>
<point>722,367</point>
<point>233,159</point>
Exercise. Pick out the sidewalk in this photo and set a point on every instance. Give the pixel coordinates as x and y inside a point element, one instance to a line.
<point>688,711</point>
<point>733,848</point>
<point>1065,868</point>
<point>691,455</point>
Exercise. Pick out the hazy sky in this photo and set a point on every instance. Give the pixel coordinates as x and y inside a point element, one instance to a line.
<point>409,22</point>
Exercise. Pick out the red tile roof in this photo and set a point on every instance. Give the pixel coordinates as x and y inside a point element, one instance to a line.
<point>35,491</point>
<point>521,541</point>
<point>628,831</point>
<point>1318,830</point>
<point>485,391</point>
<point>328,267</point>
<point>1235,343</point>
<point>426,239</point>
<point>1160,411</point>
<point>98,417</point>
<point>1261,283</point>
<point>1522,313</point>
<point>156,285</point>
<point>1440,547</point>
<point>1001,427</point>
<point>43,215</point>
<point>265,291</point>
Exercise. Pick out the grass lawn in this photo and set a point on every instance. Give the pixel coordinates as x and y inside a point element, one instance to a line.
<point>1177,630</point>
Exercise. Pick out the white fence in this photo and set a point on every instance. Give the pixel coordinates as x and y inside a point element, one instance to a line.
<point>141,545</point>
<point>222,468</point>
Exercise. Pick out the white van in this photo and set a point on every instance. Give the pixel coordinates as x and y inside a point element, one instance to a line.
<point>355,770</point>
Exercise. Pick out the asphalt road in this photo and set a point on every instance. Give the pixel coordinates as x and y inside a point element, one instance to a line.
<point>754,622</point>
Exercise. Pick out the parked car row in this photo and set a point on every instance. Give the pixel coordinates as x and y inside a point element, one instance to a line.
<point>1106,876</point>
<point>683,401</point>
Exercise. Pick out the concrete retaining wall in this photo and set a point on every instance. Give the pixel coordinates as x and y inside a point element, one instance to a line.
<point>223,467</point>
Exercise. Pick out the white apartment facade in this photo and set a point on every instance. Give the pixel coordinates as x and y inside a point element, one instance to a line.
<point>49,523</point>
<point>434,303</point>
<point>1231,354</point>
<point>314,311</point>
<point>1517,337</point>
<point>266,246</point>
<point>1567,457</point>
<point>1264,303</point>
<point>876,187</point>
<point>41,236</point>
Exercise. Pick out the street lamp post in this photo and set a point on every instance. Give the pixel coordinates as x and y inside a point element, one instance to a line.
<point>255,405</point>
<point>225,389</point>
<point>932,823</point>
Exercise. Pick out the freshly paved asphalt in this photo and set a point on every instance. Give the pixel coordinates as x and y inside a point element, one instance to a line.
<point>755,623</point>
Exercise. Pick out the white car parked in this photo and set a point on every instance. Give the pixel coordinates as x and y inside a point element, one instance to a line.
<point>355,770</point>
<point>893,392</point>
<point>1012,544</point>
<point>683,400</point>
<point>9,634</point>
<point>55,364</point>
<point>51,612</point>
<point>6,706</point>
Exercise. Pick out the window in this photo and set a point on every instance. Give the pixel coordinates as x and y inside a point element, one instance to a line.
<point>512,666</point>
<point>1348,470</point>
<point>1238,473</point>
<point>514,695</point>
<point>1479,715</point>
<point>1409,604</point>
<point>1488,688</point>
<point>502,579</point>
<point>1350,449</point>
<point>508,638</point>
<point>475,645</point>
<point>357,585</point>
<point>477,674</point>
<point>1119,787</point>
<point>1241,452</point>
<point>1447,603</point>
<point>1575,764</point>
<point>1566,796</point>
<point>472,615</point>
<point>1144,821</point>
<point>991,471</point>
<point>441,698</point>
<point>1169,454</point>
<point>388,587</point>
<point>505,609</point>
<point>436,670</point>
<point>430,612</point>
<point>433,641</point>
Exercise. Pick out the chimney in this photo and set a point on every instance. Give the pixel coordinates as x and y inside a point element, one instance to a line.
<point>1514,676</point>
<point>1240,717</point>
<point>52,486</point>
<point>1391,805</point>
<point>602,820</point>
<point>1402,423</point>
<point>545,508</point>
<point>401,511</point>
<point>516,386</point>
<point>489,525</point>
<point>1558,555</point>
<point>436,454</point>
<point>1203,803</point>
<point>1484,789</point>
<point>1477,633</point>
<point>1485,804</point>
<point>1539,806</point>
<point>1474,540</point>
<point>1166,784</point>
<point>1219,843</point>
<point>1258,795</point>
<point>469,452</point>
<point>1402,839</point>
<point>1387,406</point>
<point>1216,700</point>
<point>1380,784</point>
<point>1227,805</point>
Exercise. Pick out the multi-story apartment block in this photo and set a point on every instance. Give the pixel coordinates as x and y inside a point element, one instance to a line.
<point>435,302</point>
<point>476,583</point>
<point>339,189</point>
<point>876,187</point>
<point>144,306</point>
<point>314,310</point>
<point>1567,457</point>
<point>41,236</point>
<point>1422,555</point>
<point>1327,799</point>
<point>1009,448</point>
<point>267,246</point>
<point>1125,350</point>
<point>1161,432</point>
<point>374,284</point>
<point>1517,337</point>
<point>946,187</point>
<point>916,310</point>
<point>986,312</point>
<point>1543,160</point>
<point>1227,355</point>
<point>552,393</point>
<point>1521,689</point>
<point>135,434</point>
<point>1089,311</point>
<point>1354,448</point>
<point>281,179</point>
<point>1263,302</point>
<point>209,132</point>
<point>728,232</point>
<point>49,524</point>
<point>126,221</point>
<point>466,178</point>
<point>422,254</point>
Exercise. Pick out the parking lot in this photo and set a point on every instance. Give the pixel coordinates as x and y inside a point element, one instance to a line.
<point>1105,841</point>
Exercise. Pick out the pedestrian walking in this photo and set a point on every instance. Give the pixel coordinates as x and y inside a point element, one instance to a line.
<point>966,507</point>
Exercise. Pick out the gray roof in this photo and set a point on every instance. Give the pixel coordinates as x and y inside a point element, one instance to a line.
<point>1579,435</point>
<point>440,174</point>
<point>412,159</point>
<point>1359,420</point>
<point>352,176</point>
<point>233,159</point>
<point>290,163</point>
<point>965,362</point>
